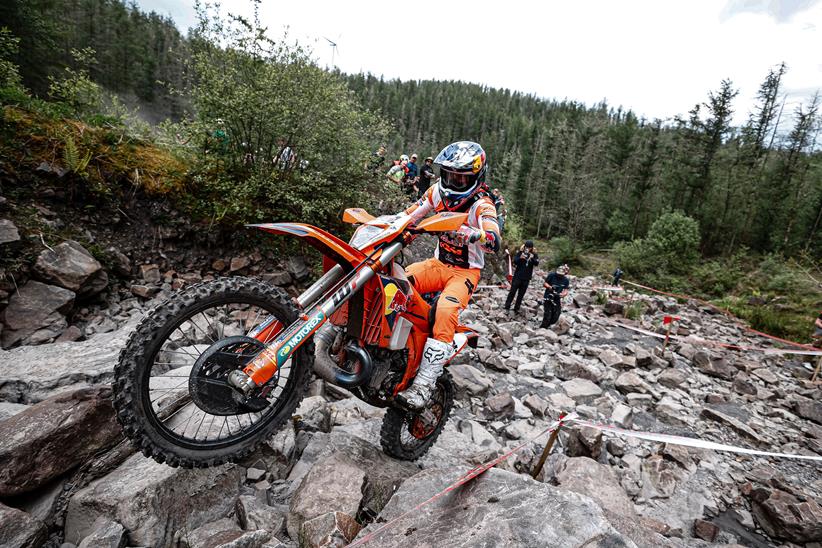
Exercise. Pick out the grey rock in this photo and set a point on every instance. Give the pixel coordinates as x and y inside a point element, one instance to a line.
<point>628,382</point>
<point>150,273</point>
<point>672,378</point>
<point>536,404</point>
<point>612,308</point>
<point>296,267</point>
<point>571,367</point>
<point>469,380</point>
<point>106,534</point>
<point>598,481</point>
<point>742,384</point>
<point>383,474</point>
<point>334,484</point>
<point>8,232</point>
<point>581,390</point>
<point>500,405</point>
<point>37,308</point>
<point>737,425</point>
<point>713,367</point>
<point>783,515</point>
<point>131,493</point>
<point>119,262</point>
<point>622,415</point>
<point>32,374</point>
<point>328,530</point>
<point>809,409</point>
<point>478,434</point>
<point>277,277</point>
<point>71,266</point>
<point>8,409</point>
<point>19,530</point>
<point>54,436</point>
<point>766,375</point>
<point>610,358</point>
<point>254,515</point>
<point>491,512</point>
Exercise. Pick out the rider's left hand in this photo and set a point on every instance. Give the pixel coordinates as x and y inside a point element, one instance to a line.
<point>467,235</point>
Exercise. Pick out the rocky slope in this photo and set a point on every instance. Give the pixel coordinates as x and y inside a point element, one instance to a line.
<point>66,476</point>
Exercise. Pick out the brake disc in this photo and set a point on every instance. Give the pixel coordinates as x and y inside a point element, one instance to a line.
<point>208,381</point>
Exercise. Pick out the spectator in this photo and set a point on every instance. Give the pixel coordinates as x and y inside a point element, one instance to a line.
<point>617,276</point>
<point>397,172</point>
<point>377,160</point>
<point>524,262</point>
<point>817,332</point>
<point>426,176</point>
<point>556,287</point>
<point>413,170</point>
<point>499,203</point>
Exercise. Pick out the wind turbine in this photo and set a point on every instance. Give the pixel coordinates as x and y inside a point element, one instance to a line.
<point>334,49</point>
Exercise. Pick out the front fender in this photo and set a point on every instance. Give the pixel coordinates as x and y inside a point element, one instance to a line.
<point>324,242</point>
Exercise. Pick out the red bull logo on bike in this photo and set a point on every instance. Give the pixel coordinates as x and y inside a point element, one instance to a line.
<point>395,299</point>
<point>307,329</point>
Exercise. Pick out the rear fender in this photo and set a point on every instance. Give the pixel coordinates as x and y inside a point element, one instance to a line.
<point>324,242</point>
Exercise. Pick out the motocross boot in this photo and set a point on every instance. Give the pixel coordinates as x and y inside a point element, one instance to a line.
<point>434,356</point>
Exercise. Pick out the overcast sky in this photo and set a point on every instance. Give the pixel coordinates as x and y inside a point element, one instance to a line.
<point>656,57</point>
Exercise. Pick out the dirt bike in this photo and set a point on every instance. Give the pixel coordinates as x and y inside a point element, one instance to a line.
<point>221,366</point>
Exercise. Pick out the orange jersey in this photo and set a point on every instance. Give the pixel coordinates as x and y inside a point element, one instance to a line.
<point>481,214</point>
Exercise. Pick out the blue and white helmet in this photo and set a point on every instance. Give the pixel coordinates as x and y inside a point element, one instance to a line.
<point>462,172</point>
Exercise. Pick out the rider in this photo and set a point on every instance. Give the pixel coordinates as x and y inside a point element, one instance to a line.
<point>458,259</point>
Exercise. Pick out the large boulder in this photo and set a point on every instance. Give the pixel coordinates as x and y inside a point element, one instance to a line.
<point>581,390</point>
<point>19,529</point>
<point>36,314</point>
<point>598,481</point>
<point>783,515</point>
<point>334,484</point>
<point>153,501</point>
<point>33,373</point>
<point>71,266</point>
<point>491,511</point>
<point>383,474</point>
<point>54,436</point>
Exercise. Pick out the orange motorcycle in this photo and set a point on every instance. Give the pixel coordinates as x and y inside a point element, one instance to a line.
<point>221,366</point>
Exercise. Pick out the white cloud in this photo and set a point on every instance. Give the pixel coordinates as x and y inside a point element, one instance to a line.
<point>657,58</point>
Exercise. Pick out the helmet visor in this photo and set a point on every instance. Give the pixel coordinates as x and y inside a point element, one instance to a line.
<point>457,181</point>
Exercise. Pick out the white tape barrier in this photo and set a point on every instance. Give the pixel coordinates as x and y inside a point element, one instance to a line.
<point>688,442</point>
<point>698,340</point>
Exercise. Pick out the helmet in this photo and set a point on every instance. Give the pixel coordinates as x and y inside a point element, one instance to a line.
<point>404,158</point>
<point>462,172</point>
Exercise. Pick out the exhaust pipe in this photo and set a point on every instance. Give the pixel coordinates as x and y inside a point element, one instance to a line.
<point>326,368</point>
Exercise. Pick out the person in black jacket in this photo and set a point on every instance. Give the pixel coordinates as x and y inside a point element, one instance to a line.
<point>556,287</point>
<point>524,262</point>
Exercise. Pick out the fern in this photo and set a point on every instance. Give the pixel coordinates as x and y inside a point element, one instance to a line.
<point>75,163</point>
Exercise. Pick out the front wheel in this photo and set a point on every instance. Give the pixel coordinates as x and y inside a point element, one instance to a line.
<point>408,435</point>
<point>170,384</point>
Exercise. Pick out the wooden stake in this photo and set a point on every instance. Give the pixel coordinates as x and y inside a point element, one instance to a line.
<point>545,452</point>
<point>818,369</point>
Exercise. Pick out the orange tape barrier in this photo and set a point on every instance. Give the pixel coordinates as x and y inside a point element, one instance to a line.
<point>724,312</point>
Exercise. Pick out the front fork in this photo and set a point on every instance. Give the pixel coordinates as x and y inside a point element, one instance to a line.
<point>275,354</point>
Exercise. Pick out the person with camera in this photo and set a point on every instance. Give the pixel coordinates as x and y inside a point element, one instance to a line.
<point>524,262</point>
<point>556,287</point>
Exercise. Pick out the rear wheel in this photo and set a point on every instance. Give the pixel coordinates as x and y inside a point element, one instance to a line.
<point>408,435</point>
<point>170,389</point>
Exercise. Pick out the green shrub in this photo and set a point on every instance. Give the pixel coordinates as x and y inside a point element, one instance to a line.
<point>565,251</point>
<point>619,226</point>
<point>671,247</point>
<point>601,298</point>
<point>75,90</point>
<point>634,310</point>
